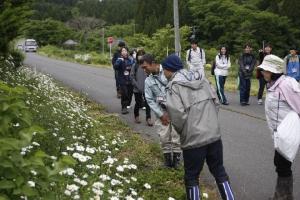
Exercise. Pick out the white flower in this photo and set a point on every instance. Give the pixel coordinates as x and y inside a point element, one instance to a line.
<point>115,182</point>
<point>67,192</point>
<point>33,172</point>
<point>171,198</point>
<point>104,177</point>
<point>133,192</point>
<point>114,198</point>
<point>120,168</point>
<point>147,186</point>
<point>140,198</point>
<point>134,179</point>
<point>205,195</point>
<point>36,144</point>
<point>53,157</point>
<point>129,198</point>
<point>68,171</point>
<point>31,183</point>
<point>72,188</point>
<point>76,196</point>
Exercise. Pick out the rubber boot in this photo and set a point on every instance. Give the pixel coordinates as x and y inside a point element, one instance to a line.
<point>168,160</point>
<point>192,192</point>
<point>225,191</point>
<point>176,160</point>
<point>284,189</point>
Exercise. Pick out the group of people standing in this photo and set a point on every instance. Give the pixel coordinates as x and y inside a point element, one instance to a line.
<point>186,107</point>
<point>195,58</point>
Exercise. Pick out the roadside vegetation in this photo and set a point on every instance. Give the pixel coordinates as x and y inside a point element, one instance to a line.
<point>57,144</point>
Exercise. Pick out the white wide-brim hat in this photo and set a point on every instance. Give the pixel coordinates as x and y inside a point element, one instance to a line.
<point>272,64</point>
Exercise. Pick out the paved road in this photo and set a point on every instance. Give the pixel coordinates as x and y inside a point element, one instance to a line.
<point>248,148</point>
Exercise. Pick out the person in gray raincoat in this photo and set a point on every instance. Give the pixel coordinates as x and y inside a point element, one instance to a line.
<point>194,114</point>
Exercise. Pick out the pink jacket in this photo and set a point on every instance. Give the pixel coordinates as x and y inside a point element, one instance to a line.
<point>289,90</point>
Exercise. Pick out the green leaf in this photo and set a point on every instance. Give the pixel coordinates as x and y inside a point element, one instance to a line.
<point>3,197</point>
<point>4,184</point>
<point>29,191</point>
<point>6,164</point>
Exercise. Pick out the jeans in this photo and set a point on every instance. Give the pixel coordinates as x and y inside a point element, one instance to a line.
<point>194,160</point>
<point>245,85</point>
<point>220,82</point>
<point>139,102</point>
<point>262,85</point>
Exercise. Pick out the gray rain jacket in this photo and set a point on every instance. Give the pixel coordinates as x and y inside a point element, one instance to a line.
<point>192,109</point>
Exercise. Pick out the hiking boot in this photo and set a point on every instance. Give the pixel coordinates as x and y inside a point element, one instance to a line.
<point>137,120</point>
<point>149,122</point>
<point>260,102</point>
<point>124,111</point>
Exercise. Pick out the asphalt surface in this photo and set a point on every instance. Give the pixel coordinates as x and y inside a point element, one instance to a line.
<point>248,146</point>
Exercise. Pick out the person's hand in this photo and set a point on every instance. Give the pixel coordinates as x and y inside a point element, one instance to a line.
<point>165,120</point>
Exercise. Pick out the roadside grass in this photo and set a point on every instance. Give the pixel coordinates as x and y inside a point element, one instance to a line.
<point>89,58</point>
<point>106,159</point>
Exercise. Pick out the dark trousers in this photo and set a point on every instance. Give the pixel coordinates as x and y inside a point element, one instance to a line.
<point>117,80</point>
<point>126,95</point>
<point>262,85</point>
<point>139,102</point>
<point>283,166</point>
<point>245,85</point>
<point>220,82</point>
<point>194,160</point>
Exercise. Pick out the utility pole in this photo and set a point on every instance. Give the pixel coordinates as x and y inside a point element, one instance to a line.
<point>176,27</point>
<point>103,41</point>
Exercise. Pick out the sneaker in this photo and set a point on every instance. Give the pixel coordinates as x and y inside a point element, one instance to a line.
<point>149,122</point>
<point>128,107</point>
<point>225,103</point>
<point>124,111</point>
<point>144,108</point>
<point>260,102</point>
<point>137,120</point>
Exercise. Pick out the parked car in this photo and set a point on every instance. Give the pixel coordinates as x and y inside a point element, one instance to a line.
<point>30,45</point>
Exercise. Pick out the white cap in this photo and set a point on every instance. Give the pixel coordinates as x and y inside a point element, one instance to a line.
<point>272,64</point>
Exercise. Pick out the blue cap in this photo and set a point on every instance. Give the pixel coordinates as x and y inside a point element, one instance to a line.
<point>172,63</point>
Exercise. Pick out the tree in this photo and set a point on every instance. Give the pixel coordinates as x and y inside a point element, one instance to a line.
<point>48,32</point>
<point>13,14</point>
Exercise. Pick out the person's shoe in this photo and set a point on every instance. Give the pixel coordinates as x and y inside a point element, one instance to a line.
<point>260,102</point>
<point>124,111</point>
<point>243,104</point>
<point>144,108</point>
<point>137,120</point>
<point>128,107</point>
<point>225,103</point>
<point>149,122</point>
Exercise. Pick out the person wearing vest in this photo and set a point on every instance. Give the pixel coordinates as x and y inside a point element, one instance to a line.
<point>246,66</point>
<point>222,61</point>
<point>123,65</point>
<point>283,94</point>
<point>194,114</point>
<point>195,57</point>
<point>262,83</point>
<point>155,95</point>
<point>292,63</point>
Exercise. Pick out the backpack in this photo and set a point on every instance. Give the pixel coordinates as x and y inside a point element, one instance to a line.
<point>189,57</point>
<point>213,67</point>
